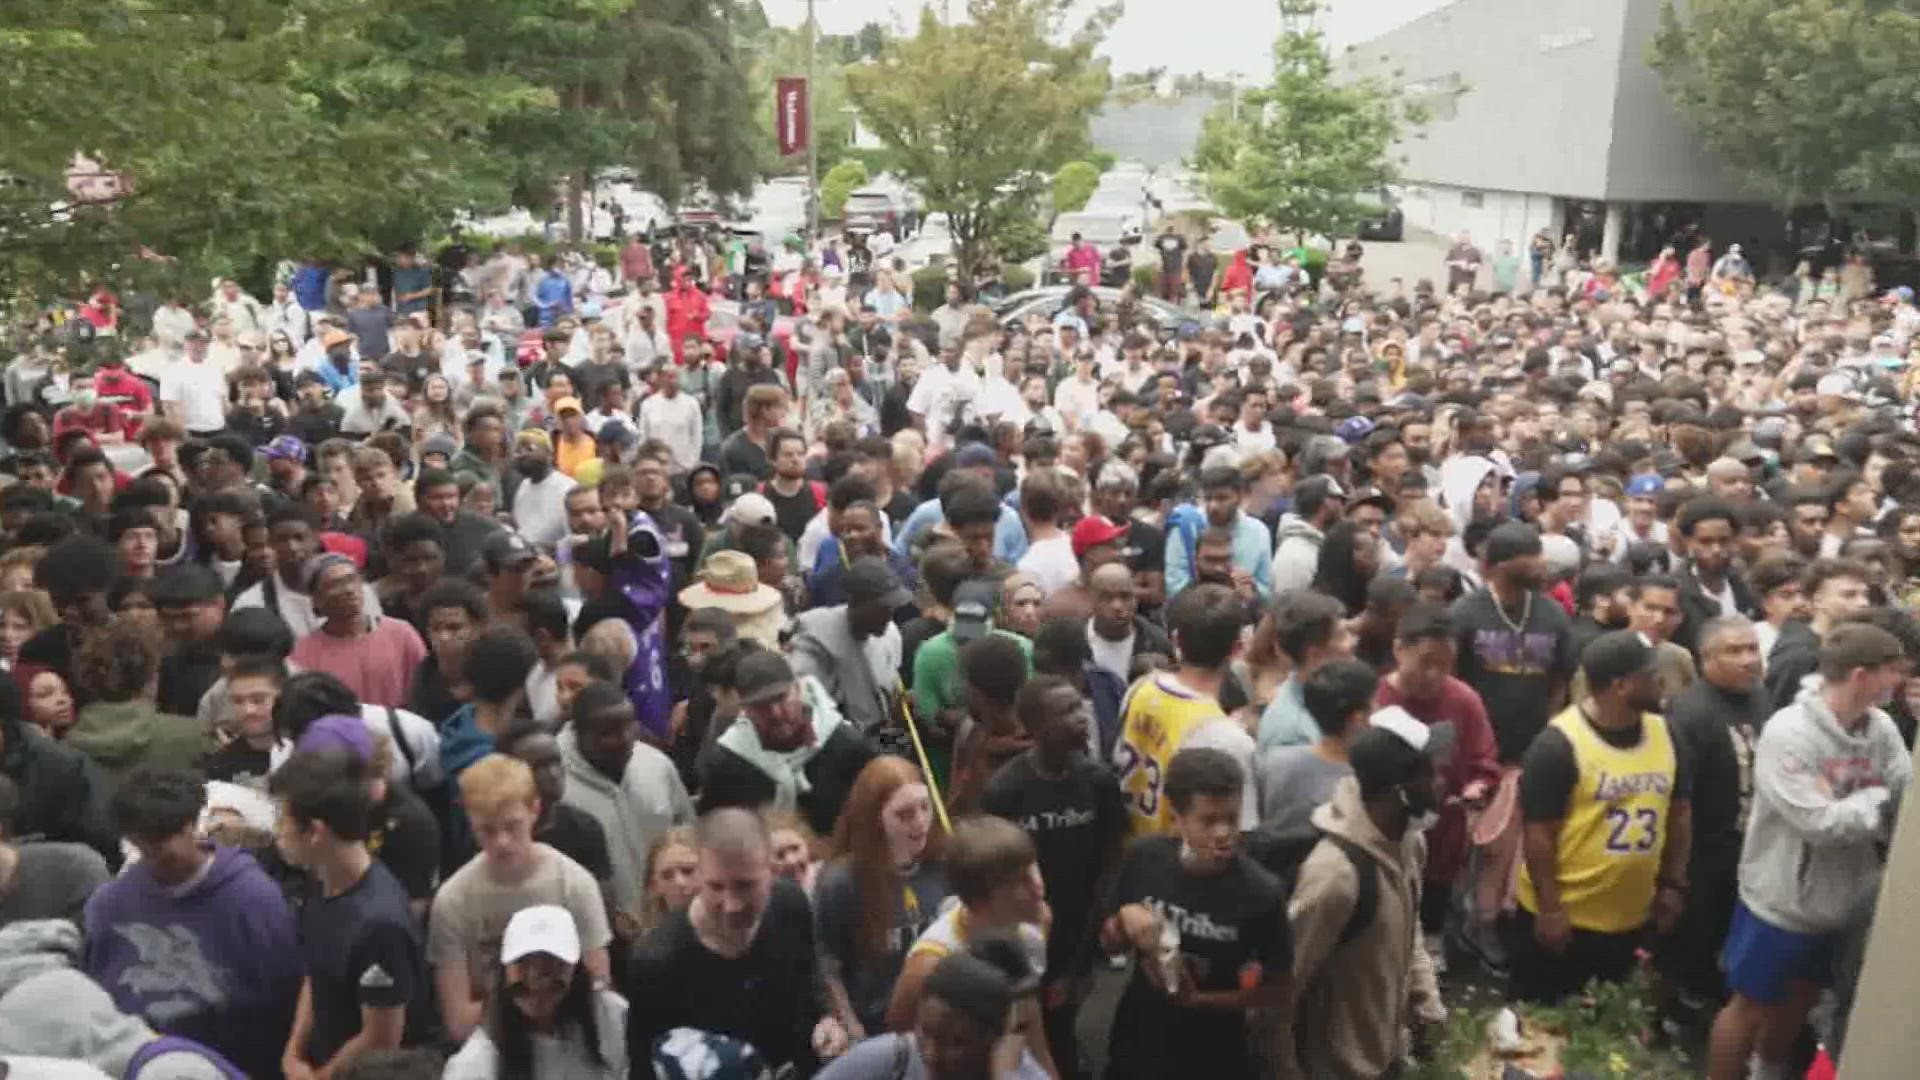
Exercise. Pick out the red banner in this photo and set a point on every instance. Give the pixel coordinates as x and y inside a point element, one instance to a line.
<point>790,114</point>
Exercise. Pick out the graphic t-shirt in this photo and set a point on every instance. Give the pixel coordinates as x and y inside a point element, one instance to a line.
<point>1233,933</point>
<point>1075,821</point>
<point>1513,670</point>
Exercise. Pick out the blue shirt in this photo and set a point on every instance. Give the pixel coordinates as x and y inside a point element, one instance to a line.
<point>309,287</point>
<point>1286,721</point>
<point>1252,552</point>
<point>554,295</point>
<point>1009,535</point>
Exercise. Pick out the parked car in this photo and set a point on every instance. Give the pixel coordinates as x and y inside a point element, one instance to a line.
<point>1383,220</point>
<point>1049,299</point>
<point>872,208</point>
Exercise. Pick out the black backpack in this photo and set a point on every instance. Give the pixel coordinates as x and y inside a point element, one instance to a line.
<point>1282,856</point>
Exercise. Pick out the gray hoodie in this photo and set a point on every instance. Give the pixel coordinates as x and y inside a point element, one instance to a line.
<point>1823,800</point>
<point>64,1014</point>
<point>1297,557</point>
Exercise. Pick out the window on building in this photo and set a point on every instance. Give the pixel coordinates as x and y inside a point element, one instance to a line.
<point>1472,200</point>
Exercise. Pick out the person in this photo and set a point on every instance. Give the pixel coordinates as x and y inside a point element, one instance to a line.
<point>195,939</point>
<point>964,1028</point>
<point>75,574</point>
<point>1463,264</point>
<point>880,891</point>
<point>192,606</point>
<point>1222,490</point>
<point>853,650</point>
<point>1827,772</point>
<point>1605,797</point>
<point>58,1023</point>
<point>294,534</point>
<point>741,960</point>
<point>547,1017</point>
<point>1360,974</point>
<point>630,789</point>
<point>58,795</point>
<point>995,874</point>
<point>374,655</point>
<point>1319,502</point>
<point>365,970</point>
<point>1050,558</point>
<point>253,685</point>
<point>1715,722</point>
<point>1209,930</point>
<point>1311,630</point>
<point>42,879</point>
<point>1291,782</point>
<point>673,418</point>
<point>1834,588</point>
<point>539,500</point>
<point>123,729</point>
<point>513,871</point>
<point>1709,585</point>
<point>1176,710</point>
<point>790,748</point>
<point>571,831</point>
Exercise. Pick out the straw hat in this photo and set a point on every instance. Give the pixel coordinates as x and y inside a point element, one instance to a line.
<point>731,582</point>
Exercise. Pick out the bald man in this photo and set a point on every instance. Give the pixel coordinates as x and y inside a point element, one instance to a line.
<point>1115,631</point>
<point>1730,479</point>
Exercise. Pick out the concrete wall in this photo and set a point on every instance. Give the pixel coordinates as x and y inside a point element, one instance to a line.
<point>1501,215</point>
<point>1157,132</point>
<point>1558,100</point>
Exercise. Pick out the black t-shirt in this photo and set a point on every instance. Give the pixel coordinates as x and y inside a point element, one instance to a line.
<point>1514,671</point>
<point>239,763</point>
<point>792,512</point>
<point>1076,822</point>
<point>1550,770</point>
<point>259,428</point>
<point>893,409</point>
<point>684,535</point>
<point>590,378</point>
<point>740,455</point>
<point>316,426</point>
<point>1146,547</point>
<point>1173,249</point>
<point>431,697</point>
<point>1230,923</point>
<point>360,950</point>
<point>901,507</point>
<point>411,369</point>
<point>579,836</point>
<point>1200,269</point>
<point>768,997</point>
<point>185,678</point>
<point>406,837</point>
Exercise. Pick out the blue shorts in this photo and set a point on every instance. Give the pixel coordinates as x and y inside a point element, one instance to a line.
<point>1762,960</point>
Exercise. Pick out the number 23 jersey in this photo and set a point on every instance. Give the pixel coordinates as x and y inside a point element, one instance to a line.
<point>1613,794</point>
<point>1161,717</point>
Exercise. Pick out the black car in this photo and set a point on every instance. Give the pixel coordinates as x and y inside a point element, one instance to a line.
<point>1383,220</point>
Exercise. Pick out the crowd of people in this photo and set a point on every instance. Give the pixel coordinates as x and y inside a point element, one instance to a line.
<point>508,671</point>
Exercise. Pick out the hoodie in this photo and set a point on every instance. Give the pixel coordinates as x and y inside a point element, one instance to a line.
<point>216,960</point>
<point>1823,800</point>
<point>648,800</point>
<point>63,1014</point>
<point>1460,478</point>
<point>61,796</point>
<point>1298,556</point>
<point>1354,999</point>
<point>122,735</point>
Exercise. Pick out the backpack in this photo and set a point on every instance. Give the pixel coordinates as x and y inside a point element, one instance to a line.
<point>1282,856</point>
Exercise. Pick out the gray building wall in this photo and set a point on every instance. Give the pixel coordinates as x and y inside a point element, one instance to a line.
<point>1558,99</point>
<point>1154,132</point>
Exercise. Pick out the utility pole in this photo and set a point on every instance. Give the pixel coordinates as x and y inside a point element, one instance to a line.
<point>813,134</point>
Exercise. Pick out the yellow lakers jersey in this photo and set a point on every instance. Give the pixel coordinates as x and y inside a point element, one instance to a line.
<point>1158,715</point>
<point>1616,826</point>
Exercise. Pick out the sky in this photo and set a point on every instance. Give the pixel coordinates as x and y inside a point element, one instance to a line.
<point>1217,37</point>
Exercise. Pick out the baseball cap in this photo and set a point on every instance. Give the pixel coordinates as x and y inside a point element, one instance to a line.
<point>1512,540</point>
<point>1353,428</point>
<point>615,432</point>
<point>1614,656</point>
<point>506,548</point>
<point>1745,452</point>
<point>972,610</point>
<point>763,676</point>
<point>1369,494</point>
<point>439,443</point>
<point>976,456</point>
<point>1818,448</point>
<point>542,928</point>
<point>338,731</point>
<point>567,403</point>
<point>751,508</point>
<point>1646,486</point>
<point>335,337</point>
<point>871,581</point>
<point>285,448</point>
<point>1317,489</point>
<point>1092,531</point>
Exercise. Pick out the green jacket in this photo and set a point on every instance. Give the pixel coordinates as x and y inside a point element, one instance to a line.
<point>120,736</point>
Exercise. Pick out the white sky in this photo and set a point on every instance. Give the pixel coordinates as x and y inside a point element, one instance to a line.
<point>1218,37</point>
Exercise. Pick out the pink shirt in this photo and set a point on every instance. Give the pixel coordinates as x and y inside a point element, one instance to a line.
<point>377,666</point>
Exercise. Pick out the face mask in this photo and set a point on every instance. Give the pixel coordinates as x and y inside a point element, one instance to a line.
<point>1421,813</point>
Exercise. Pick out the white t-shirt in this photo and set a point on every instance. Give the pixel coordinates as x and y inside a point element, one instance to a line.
<point>540,509</point>
<point>1113,656</point>
<point>1051,563</point>
<point>200,391</point>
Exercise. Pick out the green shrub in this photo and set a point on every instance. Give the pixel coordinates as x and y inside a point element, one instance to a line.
<point>840,181</point>
<point>1146,277</point>
<point>1017,278</point>
<point>1021,240</point>
<point>1073,185</point>
<point>929,288</point>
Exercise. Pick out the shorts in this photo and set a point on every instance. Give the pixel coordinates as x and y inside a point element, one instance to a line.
<point>1762,960</point>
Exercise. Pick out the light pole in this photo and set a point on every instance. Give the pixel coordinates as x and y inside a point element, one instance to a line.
<point>813,135</point>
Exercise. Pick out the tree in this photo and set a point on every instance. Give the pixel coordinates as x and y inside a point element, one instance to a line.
<point>1073,185</point>
<point>977,114</point>
<point>841,180</point>
<point>781,53</point>
<point>1294,154</point>
<point>1808,100</point>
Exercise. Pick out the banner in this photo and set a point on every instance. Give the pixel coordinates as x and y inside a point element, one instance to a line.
<point>790,114</point>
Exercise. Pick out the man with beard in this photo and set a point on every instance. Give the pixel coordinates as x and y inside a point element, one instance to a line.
<point>829,640</point>
<point>740,960</point>
<point>790,748</point>
<point>1715,722</point>
<point>462,533</point>
<point>1709,586</point>
<point>1606,796</point>
<point>540,499</point>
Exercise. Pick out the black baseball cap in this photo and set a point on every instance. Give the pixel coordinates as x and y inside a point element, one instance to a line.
<point>871,581</point>
<point>762,676</point>
<point>1512,540</point>
<point>1616,655</point>
<point>973,610</point>
<point>507,548</point>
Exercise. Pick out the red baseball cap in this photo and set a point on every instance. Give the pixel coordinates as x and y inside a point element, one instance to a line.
<point>1094,530</point>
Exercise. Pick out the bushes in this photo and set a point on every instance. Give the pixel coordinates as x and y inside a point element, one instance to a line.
<point>1146,277</point>
<point>1073,185</point>
<point>840,181</point>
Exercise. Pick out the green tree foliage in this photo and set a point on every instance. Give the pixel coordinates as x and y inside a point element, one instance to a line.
<point>1809,100</point>
<point>1293,154</point>
<point>256,129</point>
<point>1073,185</point>
<point>841,180</point>
<point>977,113</point>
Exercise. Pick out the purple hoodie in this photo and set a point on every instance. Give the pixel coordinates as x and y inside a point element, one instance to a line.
<point>219,964</point>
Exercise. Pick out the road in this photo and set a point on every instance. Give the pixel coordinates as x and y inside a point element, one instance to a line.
<point>1420,255</point>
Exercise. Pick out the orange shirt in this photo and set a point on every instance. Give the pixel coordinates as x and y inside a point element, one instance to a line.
<point>571,453</point>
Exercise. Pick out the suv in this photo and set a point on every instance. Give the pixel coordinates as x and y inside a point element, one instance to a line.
<point>873,209</point>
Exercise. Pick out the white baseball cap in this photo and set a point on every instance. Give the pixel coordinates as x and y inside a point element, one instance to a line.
<point>751,508</point>
<point>542,928</point>
<point>1397,720</point>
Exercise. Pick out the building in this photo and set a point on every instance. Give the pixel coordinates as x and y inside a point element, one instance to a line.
<point>1547,116</point>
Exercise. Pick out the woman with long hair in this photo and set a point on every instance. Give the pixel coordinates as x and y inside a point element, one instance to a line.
<point>671,873</point>
<point>882,888</point>
<point>1349,557</point>
<point>435,412</point>
<point>544,1018</point>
